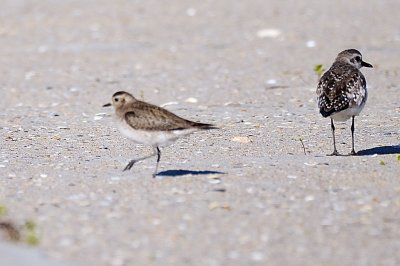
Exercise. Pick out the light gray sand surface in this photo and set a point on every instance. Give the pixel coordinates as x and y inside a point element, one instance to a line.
<point>12,255</point>
<point>249,67</point>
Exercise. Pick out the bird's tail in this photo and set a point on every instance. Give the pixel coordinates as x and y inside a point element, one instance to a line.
<point>325,113</point>
<point>204,126</point>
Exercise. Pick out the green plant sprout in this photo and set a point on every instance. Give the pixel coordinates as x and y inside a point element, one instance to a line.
<point>3,210</point>
<point>319,70</point>
<point>31,233</point>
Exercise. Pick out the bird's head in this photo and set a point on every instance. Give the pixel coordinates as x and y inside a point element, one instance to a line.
<point>120,99</point>
<point>352,57</point>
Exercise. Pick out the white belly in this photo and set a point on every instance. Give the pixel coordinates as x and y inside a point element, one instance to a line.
<point>354,110</point>
<point>347,114</point>
<point>152,138</point>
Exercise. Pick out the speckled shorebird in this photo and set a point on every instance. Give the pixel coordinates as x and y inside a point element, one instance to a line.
<point>342,91</point>
<point>151,125</point>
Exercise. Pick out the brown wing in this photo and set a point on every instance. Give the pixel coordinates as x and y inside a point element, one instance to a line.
<point>146,116</point>
<point>338,91</point>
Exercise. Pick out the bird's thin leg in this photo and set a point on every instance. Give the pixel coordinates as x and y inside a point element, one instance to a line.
<point>353,152</point>
<point>132,162</point>
<point>335,152</point>
<point>158,160</point>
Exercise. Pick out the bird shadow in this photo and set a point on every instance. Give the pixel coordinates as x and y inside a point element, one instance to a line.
<point>380,150</point>
<point>182,172</point>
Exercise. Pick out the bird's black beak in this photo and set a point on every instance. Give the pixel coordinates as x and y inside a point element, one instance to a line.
<point>365,64</point>
<point>107,105</point>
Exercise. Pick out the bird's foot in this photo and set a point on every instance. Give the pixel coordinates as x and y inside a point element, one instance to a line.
<point>353,152</point>
<point>334,153</point>
<point>129,165</point>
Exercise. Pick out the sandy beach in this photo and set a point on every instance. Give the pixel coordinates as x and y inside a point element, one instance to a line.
<point>258,191</point>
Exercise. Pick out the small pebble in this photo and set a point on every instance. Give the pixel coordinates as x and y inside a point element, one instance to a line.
<point>65,242</point>
<point>241,139</point>
<point>309,198</point>
<point>191,12</point>
<point>156,221</point>
<point>311,164</point>
<point>268,33</point>
<point>42,49</point>
<point>191,100</point>
<point>217,205</point>
<point>366,208</point>
<point>257,256</point>
<point>214,181</point>
<point>74,89</point>
<point>29,75</point>
<point>311,44</point>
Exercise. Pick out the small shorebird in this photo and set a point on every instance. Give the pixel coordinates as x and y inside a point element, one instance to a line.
<point>151,125</point>
<point>342,91</point>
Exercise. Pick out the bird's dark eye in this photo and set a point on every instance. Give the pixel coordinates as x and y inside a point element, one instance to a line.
<point>358,58</point>
<point>116,99</point>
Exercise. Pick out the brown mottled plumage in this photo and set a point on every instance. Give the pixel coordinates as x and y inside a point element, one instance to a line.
<point>342,91</point>
<point>145,116</point>
<point>149,124</point>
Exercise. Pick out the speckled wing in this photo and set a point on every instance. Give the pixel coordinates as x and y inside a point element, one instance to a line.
<point>144,116</point>
<point>339,91</point>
